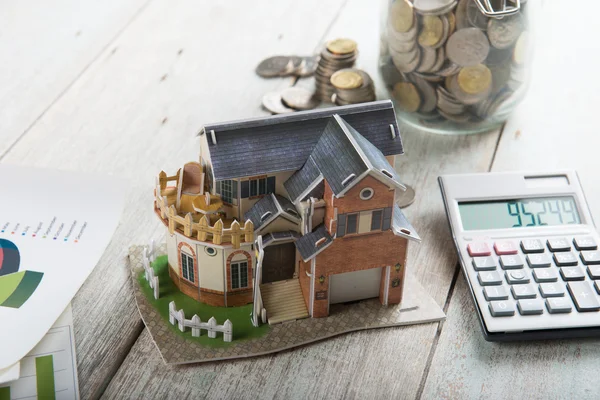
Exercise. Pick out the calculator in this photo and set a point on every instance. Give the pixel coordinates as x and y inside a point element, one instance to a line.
<point>528,248</point>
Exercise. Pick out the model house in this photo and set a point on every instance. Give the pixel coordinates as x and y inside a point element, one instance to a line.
<point>293,213</point>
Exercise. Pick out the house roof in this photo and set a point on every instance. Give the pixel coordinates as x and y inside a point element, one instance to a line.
<point>280,237</point>
<point>307,244</point>
<point>401,226</point>
<point>284,142</point>
<point>341,156</point>
<point>270,207</point>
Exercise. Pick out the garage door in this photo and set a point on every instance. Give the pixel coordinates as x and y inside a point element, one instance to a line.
<point>352,286</point>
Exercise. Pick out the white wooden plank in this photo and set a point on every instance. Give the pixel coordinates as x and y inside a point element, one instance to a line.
<point>136,111</point>
<point>555,127</point>
<point>45,46</point>
<point>386,363</point>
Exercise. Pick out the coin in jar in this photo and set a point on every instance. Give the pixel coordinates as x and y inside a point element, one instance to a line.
<point>520,48</point>
<point>504,32</point>
<point>407,96</point>
<point>476,17</point>
<point>346,79</point>
<point>431,7</point>
<point>341,46</point>
<point>299,98</point>
<point>272,102</point>
<point>432,31</point>
<point>467,47</point>
<point>274,66</point>
<point>475,79</point>
<point>402,15</point>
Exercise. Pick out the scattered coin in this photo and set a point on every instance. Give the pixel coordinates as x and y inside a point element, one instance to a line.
<point>299,98</point>
<point>272,102</point>
<point>406,198</point>
<point>275,66</point>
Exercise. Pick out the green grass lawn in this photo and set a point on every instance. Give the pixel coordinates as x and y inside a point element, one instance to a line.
<point>239,316</point>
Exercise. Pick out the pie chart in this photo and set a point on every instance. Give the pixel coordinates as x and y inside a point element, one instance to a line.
<point>15,286</point>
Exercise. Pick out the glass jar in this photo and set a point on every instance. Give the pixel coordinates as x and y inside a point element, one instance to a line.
<point>455,66</point>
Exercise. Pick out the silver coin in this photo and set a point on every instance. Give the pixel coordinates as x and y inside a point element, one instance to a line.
<point>272,102</point>
<point>462,21</point>
<point>309,65</point>
<point>408,36</point>
<point>440,59</point>
<point>402,47</point>
<point>410,66</point>
<point>429,77</point>
<point>406,198</point>
<point>503,33</point>
<point>449,68</point>
<point>274,66</point>
<point>476,17</point>
<point>441,11</point>
<point>459,118</point>
<point>498,57</point>
<point>299,98</point>
<point>431,6</point>
<point>467,47</point>
<point>428,59</point>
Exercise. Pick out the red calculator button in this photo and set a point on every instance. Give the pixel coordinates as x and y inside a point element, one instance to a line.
<point>505,247</point>
<point>479,249</point>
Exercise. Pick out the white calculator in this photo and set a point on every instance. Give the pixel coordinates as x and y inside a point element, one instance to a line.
<point>529,250</point>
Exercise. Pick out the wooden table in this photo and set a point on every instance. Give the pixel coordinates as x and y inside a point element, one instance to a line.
<point>122,87</point>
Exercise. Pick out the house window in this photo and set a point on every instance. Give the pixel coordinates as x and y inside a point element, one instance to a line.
<point>366,193</point>
<point>239,275</point>
<point>228,191</point>
<point>351,223</point>
<point>376,220</point>
<point>211,251</point>
<point>257,187</point>
<point>187,267</point>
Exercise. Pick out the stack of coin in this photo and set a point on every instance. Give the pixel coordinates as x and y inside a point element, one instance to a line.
<point>337,54</point>
<point>446,60</point>
<point>352,86</point>
<point>287,66</point>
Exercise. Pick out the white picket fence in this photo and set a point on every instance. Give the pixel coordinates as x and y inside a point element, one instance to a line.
<point>196,324</point>
<point>148,257</point>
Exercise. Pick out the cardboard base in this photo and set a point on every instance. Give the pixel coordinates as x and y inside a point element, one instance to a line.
<point>416,308</point>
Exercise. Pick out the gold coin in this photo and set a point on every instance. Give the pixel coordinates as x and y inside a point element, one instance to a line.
<point>520,48</point>
<point>341,46</point>
<point>407,96</point>
<point>402,16</point>
<point>432,31</point>
<point>475,79</point>
<point>452,22</point>
<point>346,79</point>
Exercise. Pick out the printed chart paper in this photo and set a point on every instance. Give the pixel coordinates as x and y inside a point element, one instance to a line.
<point>49,371</point>
<point>54,226</point>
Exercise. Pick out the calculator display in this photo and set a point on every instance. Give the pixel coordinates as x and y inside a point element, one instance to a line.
<point>541,211</point>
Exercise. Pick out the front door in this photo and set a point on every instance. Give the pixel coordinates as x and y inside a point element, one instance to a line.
<point>278,264</point>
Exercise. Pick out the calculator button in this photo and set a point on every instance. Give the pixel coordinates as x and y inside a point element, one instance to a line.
<point>552,289</point>
<point>517,277</point>
<point>495,293</point>
<point>530,307</point>
<point>572,274</point>
<point>539,260</point>
<point>479,249</point>
<point>489,278</point>
<point>585,243</point>
<point>594,271</point>
<point>484,263</point>
<point>532,246</point>
<point>502,308</point>
<point>583,296</point>
<point>590,257</point>
<point>545,275</point>
<point>565,259</point>
<point>556,305</point>
<point>523,292</point>
<point>561,244</point>
<point>511,262</point>
<point>505,247</point>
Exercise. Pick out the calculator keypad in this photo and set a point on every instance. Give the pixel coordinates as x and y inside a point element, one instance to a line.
<point>532,277</point>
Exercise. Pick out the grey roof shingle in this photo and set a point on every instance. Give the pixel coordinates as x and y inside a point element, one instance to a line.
<point>302,179</point>
<point>306,245</point>
<point>279,236</point>
<point>273,204</point>
<point>401,226</point>
<point>336,157</point>
<point>284,142</point>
